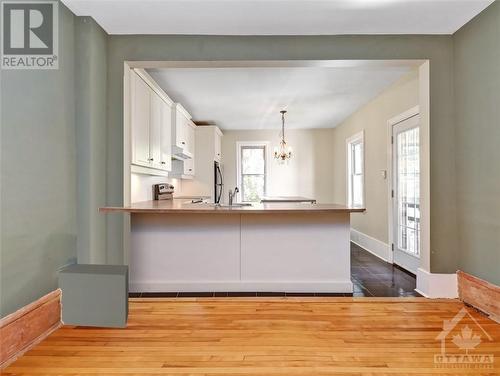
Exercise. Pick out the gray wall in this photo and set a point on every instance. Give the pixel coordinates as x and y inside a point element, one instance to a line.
<point>91,82</point>
<point>38,175</point>
<point>439,49</point>
<point>53,161</point>
<point>477,112</point>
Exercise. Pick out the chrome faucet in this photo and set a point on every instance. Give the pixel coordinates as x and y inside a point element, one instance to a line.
<point>232,195</point>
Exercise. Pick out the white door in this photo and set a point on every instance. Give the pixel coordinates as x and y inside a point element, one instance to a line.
<point>140,100</point>
<point>406,193</point>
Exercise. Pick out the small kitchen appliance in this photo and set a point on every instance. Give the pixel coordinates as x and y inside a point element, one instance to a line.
<point>163,191</point>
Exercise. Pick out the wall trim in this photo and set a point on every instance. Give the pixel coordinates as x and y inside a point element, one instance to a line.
<point>435,285</point>
<point>480,294</point>
<point>35,321</point>
<point>341,286</point>
<point>372,245</point>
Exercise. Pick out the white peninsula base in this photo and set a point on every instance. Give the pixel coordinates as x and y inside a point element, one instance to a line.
<point>279,252</point>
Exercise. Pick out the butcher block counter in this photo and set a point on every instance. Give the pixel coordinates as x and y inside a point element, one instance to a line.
<point>179,246</point>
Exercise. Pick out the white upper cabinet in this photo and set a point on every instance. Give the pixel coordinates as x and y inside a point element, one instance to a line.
<point>161,130</point>
<point>190,137</point>
<point>151,115</point>
<point>155,126</point>
<point>140,116</point>
<point>182,133</point>
<point>218,145</point>
<point>166,137</point>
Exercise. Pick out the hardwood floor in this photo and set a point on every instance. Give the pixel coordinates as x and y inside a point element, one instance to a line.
<point>267,336</point>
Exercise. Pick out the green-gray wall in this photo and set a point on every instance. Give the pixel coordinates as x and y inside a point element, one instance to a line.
<point>477,114</point>
<point>53,151</point>
<point>91,89</point>
<point>38,172</point>
<point>438,49</point>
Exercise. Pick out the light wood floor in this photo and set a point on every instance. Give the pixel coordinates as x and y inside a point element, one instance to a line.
<point>261,336</point>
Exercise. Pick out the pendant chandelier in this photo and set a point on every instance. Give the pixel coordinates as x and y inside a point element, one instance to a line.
<point>282,153</point>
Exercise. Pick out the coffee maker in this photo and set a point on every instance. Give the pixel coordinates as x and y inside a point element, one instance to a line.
<point>163,191</point>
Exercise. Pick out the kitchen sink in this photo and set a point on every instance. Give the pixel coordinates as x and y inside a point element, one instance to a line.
<point>225,206</point>
<point>235,205</point>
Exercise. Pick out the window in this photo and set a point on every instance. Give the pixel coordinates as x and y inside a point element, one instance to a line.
<point>355,170</point>
<point>251,170</point>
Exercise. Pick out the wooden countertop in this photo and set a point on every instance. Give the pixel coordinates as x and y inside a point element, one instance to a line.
<point>269,199</point>
<point>181,206</point>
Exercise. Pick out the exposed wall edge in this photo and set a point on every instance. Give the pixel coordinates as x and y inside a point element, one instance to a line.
<point>480,294</point>
<point>29,325</point>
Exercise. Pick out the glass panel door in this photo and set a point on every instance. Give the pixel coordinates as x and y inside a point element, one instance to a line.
<point>406,193</point>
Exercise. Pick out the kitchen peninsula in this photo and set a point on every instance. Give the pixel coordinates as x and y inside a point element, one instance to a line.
<point>284,247</point>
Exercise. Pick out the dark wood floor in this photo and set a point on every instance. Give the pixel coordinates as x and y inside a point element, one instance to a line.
<point>374,277</point>
<point>371,277</point>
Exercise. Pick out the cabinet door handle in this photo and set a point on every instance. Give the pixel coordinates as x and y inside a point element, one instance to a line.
<point>151,159</point>
<point>190,169</point>
<point>162,162</point>
<point>183,143</point>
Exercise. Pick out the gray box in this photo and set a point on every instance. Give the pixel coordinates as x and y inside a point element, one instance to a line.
<point>94,295</point>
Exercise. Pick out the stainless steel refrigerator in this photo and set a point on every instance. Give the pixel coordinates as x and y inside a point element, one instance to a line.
<point>218,182</point>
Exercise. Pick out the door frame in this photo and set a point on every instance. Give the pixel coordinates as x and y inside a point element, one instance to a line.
<point>390,175</point>
<point>422,65</point>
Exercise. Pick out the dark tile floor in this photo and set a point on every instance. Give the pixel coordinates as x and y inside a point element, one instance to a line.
<point>374,277</point>
<point>370,275</point>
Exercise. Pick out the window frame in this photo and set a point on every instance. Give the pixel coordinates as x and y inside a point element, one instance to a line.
<point>358,138</point>
<point>240,145</point>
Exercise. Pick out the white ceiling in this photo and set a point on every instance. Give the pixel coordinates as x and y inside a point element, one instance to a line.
<point>251,98</point>
<point>279,17</point>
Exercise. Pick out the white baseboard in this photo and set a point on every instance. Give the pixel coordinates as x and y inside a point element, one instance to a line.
<point>340,286</point>
<point>372,245</point>
<point>434,285</point>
